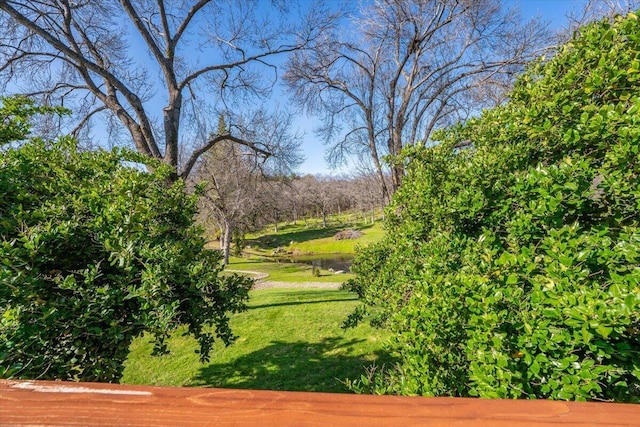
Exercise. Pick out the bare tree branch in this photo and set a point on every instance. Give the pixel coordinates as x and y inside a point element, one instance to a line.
<point>67,42</point>
<point>408,66</point>
<point>86,118</point>
<point>212,142</point>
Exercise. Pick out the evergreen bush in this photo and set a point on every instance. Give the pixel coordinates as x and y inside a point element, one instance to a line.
<point>94,252</point>
<point>511,268</point>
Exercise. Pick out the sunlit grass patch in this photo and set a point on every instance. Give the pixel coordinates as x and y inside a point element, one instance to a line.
<point>289,339</point>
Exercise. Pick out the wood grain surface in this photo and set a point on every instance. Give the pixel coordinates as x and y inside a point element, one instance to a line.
<point>46,403</point>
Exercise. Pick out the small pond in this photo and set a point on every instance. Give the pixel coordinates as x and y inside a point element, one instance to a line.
<point>324,261</point>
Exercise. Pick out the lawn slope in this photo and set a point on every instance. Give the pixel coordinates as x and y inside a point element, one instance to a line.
<point>289,339</point>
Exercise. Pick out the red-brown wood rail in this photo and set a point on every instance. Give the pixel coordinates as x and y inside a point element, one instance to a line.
<point>71,404</point>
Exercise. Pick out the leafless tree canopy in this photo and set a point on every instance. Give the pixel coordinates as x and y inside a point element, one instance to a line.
<point>593,10</point>
<point>238,191</point>
<point>238,198</point>
<point>408,67</point>
<point>231,187</point>
<point>165,70</point>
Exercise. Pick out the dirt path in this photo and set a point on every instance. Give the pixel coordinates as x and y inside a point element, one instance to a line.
<point>260,283</point>
<point>257,274</point>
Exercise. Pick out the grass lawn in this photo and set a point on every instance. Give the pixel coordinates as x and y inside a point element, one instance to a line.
<point>299,239</point>
<point>289,339</point>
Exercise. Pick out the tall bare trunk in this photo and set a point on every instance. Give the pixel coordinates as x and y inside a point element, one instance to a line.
<point>395,147</point>
<point>275,221</point>
<point>376,158</point>
<point>171,119</point>
<point>226,242</point>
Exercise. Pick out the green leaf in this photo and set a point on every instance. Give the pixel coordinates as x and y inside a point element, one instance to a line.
<point>535,368</point>
<point>604,331</point>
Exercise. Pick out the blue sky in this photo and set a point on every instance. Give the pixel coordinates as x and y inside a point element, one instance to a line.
<point>553,11</point>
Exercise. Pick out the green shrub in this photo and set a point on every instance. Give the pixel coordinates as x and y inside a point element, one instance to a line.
<point>512,269</point>
<point>94,252</point>
<point>16,114</point>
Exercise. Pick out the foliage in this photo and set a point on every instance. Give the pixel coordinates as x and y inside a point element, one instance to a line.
<point>15,113</point>
<point>511,268</point>
<point>94,253</point>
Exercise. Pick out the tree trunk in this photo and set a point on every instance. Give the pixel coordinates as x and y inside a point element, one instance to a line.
<point>171,122</point>
<point>225,242</point>
<point>394,145</point>
<point>275,223</point>
<point>397,173</point>
<point>376,159</point>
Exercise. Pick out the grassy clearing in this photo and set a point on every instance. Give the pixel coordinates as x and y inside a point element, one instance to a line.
<point>301,240</point>
<point>290,339</point>
<point>328,245</point>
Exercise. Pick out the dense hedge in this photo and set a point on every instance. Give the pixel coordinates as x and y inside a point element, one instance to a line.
<point>94,252</point>
<point>511,268</point>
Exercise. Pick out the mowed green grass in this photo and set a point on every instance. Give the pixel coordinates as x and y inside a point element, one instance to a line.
<point>289,339</point>
<point>301,240</point>
<point>329,245</point>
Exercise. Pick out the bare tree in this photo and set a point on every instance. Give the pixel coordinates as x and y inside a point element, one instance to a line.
<point>365,191</point>
<point>274,206</point>
<point>230,190</point>
<point>593,10</point>
<point>340,195</point>
<point>153,64</point>
<point>234,180</point>
<point>409,67</point>
<point>318,195</point>
<point>298,194</point>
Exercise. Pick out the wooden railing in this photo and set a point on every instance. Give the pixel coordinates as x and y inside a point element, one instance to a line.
<point>89,404</point>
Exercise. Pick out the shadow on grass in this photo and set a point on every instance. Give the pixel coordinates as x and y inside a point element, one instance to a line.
<point>304,295</point>
<point>281,304</point>
<point>292,366</point>
<point>246,261</point>
<point>273,241</point>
